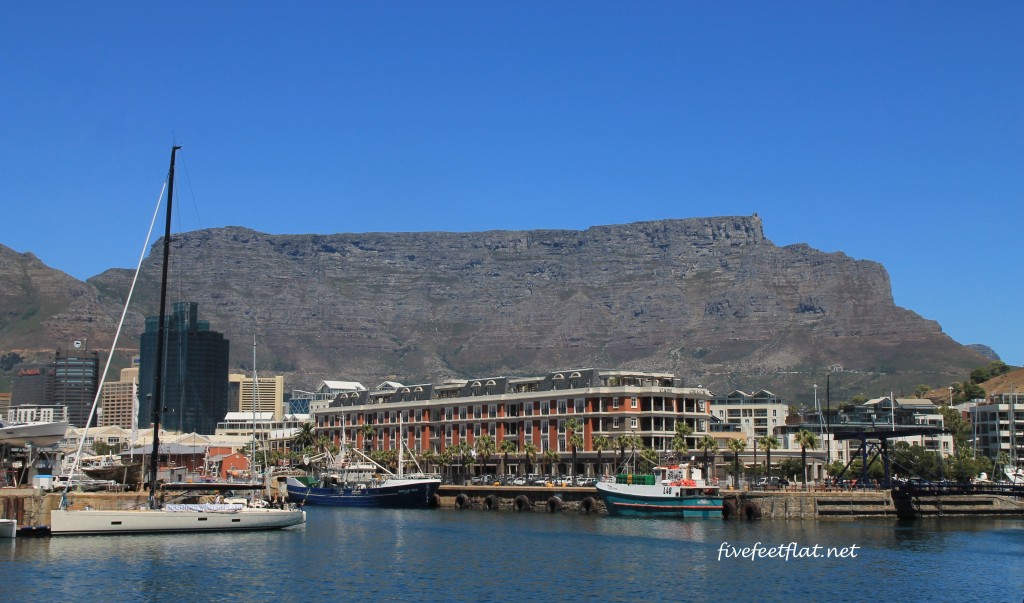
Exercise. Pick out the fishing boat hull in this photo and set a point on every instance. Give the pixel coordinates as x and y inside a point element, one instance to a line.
<point>172,519</point>
<point>391,494</point>
<point>36,434</point>
<point>633,500</point>
<point>129,474</point>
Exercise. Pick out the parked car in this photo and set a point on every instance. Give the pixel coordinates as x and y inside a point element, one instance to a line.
<point>519,481</point>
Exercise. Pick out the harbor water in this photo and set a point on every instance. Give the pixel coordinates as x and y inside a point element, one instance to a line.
<point>471,555</point>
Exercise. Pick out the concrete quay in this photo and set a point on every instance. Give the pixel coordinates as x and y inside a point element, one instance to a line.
<point>31,507</point>
<point>782,504</point>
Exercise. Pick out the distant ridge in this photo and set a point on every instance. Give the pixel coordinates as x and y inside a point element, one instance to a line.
<point>710,299</point>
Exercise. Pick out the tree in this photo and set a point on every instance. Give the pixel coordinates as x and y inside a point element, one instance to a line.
<point>954,421</point>
<point>649,456</point>
<point>921,390</point>
<point>805,439</point>
<point>789,468</point>
<point>465,453</point>
<point>446,458</point>
<point>980,375</point>
<point>998,368</point>
<point>428,457</point>
<point>768,443</point>
<point>530,453</point>
<point>600,443</point>
<point>709,446</point>
<point>507,447</point>
<point>369,432</point>
<point>484,449</point>
<point>736,446</point>
<point>575,439</point>
<point>305,437</point>
<point>551,456</point>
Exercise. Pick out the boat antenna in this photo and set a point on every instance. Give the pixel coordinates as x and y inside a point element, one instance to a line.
<point>160,337</point>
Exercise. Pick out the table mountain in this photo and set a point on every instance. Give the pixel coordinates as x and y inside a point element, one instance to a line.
<point>710,299</point>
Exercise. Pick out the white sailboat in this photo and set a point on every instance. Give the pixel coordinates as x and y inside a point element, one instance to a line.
<point>156,517</point>
<point>37,433</point>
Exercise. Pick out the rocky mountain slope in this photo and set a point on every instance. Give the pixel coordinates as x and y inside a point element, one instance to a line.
<point>710,299</point>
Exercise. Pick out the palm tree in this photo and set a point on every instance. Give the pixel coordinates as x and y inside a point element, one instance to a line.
<point>530,453</point>
<point>575,429</point>
<point>446,458</point>
<point>507,447</point>
<point>768,443</point>
<point>484,449</point>
<point>551,456</point>
<point>805,439</point>
<point>680,447</point>
<point>429,457</point>
<point>600,443</point>
<point>305,437</point>
<point>463,450</point>
<point>736,446</point>
<point>369,432</point>
<point>708,445</point>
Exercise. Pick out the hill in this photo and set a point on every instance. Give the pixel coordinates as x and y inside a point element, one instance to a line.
<point>710,299</point>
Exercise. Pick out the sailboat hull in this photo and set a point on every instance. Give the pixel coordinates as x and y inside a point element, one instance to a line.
<point>392,494</point>
<point>145,521</point>
<point>36,434</point>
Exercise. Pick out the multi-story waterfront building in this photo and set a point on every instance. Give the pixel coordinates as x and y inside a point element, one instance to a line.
<point>999,426</point>
<point>271,433</point>
<point>195,384</point>
<point>757,414</point>
<point>530,412</point>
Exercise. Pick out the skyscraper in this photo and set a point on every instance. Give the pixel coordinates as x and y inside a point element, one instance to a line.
<point>195,381</point>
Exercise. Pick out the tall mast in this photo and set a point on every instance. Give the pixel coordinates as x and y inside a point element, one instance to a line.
<point>160,338</point>
<point>252,458</point>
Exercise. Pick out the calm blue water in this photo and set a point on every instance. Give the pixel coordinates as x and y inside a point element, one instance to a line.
<point>470,555</point>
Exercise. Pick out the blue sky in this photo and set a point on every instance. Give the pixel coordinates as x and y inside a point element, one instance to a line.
<point>890,131</point>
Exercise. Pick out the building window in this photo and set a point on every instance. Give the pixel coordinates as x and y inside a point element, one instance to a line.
<point>632,402</point>
<point>632,422</point>
<point>579,405</point>
<point>615,403</point>
<point>615,423</point>
<point>561,407</point>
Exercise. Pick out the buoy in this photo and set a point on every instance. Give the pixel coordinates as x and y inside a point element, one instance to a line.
<point>751,511</point>
<point>462,501</point>
<point>435,501</point>
<point>587,504</point>
<point>554,504</point>
<point>491,501</point>
<point>522,503</point>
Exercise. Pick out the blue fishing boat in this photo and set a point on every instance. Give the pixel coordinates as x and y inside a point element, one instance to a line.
<point>361,482</point>
<point>666,493</point>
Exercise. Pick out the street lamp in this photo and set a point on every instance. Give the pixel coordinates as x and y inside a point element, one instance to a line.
<point>950,396</point>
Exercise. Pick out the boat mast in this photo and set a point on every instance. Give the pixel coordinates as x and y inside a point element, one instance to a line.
<point>160,338</point>
<point>252,456</point>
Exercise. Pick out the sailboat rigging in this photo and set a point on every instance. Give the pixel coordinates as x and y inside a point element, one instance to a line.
<point>171,517</point>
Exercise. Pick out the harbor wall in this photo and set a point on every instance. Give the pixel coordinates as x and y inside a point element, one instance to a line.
<point>31,506</point>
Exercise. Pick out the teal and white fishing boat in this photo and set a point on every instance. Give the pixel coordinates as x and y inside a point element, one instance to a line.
<point>668,492</point>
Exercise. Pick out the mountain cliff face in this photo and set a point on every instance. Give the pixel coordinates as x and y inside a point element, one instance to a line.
<point>709,299</point>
